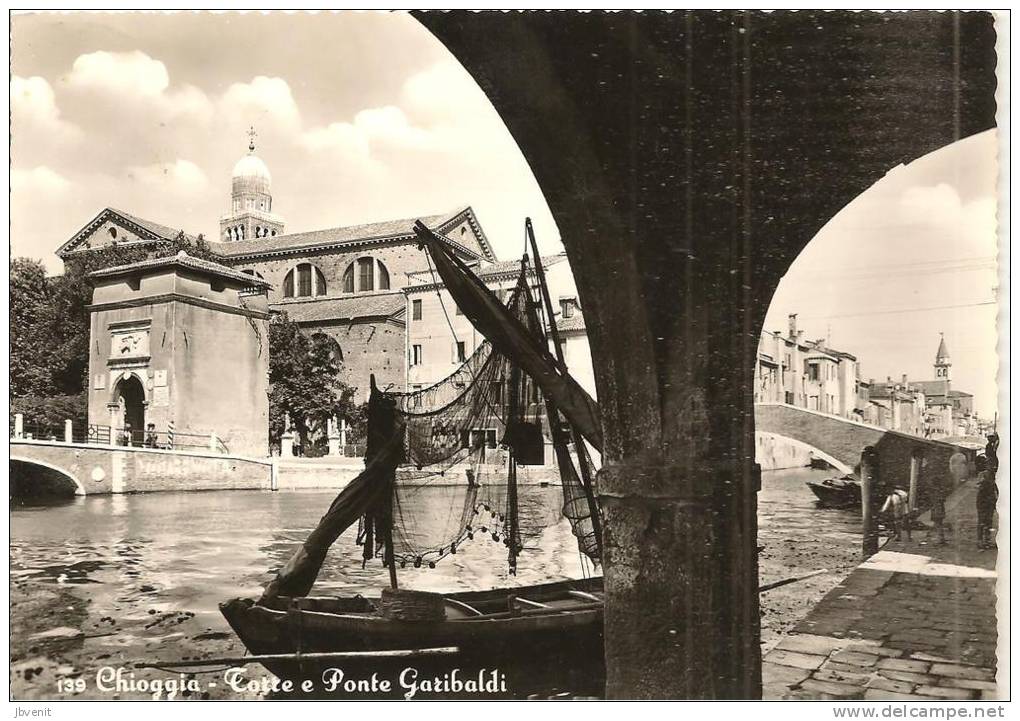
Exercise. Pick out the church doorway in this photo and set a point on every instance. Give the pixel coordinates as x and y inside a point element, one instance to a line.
<point>131,399</point>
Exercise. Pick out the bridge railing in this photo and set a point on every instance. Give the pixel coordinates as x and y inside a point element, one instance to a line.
<point>96,434</point>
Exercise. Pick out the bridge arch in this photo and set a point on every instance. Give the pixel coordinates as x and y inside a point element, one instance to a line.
<point>55,479</point>
<point>816,452</point>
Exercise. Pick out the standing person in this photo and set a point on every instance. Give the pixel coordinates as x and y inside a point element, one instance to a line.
<point>896,512</point>
<point>988,494</point>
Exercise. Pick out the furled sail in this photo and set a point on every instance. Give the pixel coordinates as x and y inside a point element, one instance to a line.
<point>367,495</point>
<point>511,337</point>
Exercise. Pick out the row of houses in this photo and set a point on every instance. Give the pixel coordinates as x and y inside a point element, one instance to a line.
<point>810,374</point>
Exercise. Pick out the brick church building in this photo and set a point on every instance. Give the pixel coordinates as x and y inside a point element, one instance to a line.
<point>345,282</point>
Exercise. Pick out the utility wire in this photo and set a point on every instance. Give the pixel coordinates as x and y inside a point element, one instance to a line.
<point>439,294</point>
<point>893,311</point>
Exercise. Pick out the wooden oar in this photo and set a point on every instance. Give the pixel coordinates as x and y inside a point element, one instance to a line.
<point>584,595</point>
<point>794,579</point>
<point>550,611</point>
<point>463,606</point>
<point>324,656</point>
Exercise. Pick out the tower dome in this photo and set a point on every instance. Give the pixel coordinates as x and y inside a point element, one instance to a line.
<point>251,166</point>
<point>251,178</point>
<point>251,200</point>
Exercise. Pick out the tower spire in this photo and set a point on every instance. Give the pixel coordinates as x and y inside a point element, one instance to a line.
<point>251,139</point>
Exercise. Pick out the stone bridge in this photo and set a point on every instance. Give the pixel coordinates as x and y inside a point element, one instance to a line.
<point>840,441</point>
<point>53,467</point>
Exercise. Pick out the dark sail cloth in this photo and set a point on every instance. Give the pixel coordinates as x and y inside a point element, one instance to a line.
<point>511,338</point>
<point>370,494</point>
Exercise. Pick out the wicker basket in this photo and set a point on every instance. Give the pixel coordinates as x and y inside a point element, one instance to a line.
<point>398,604</point>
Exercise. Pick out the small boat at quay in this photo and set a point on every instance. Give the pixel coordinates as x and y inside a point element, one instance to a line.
<point>842,492</point>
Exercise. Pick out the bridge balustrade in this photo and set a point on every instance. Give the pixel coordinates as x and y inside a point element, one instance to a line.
<point>95,434</point>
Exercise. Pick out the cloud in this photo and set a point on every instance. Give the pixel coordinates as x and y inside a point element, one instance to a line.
<point>438,110</point>
<point>135,82</point>
<point>930,204</point>
<point>122,73</point>
<point>262,99</point>
<point>39,179</point>
<point>383,128</point>
<point>181,176</point>
<point>34,110</point>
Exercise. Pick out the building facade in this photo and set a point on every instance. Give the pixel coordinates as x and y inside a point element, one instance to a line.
<point>807,373</point>
<point>180,343</point>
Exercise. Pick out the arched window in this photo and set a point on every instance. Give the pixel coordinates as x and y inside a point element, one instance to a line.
<point>304,281</point>
<point>365,274</point>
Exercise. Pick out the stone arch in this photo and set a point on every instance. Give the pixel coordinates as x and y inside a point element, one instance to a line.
<point>131,386</point>
<point>813,450</point>
<point>56,473</point>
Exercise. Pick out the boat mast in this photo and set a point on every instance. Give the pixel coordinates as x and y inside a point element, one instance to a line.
<point>586,481</point>
<point>390,562</point>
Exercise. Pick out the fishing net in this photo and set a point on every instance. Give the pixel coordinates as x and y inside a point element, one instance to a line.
<point>470,435</point>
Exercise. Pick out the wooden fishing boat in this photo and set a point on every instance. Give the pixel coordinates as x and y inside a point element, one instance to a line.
<point>526,635</point>
<point>837,492</point>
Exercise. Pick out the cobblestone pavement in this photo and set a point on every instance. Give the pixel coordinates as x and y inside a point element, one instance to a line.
<point>915,621</point>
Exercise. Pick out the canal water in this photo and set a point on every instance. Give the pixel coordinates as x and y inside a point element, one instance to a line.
<point>141,575</point>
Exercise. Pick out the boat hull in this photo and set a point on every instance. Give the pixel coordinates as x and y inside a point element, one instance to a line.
<point>533,651</point>
<point>837,494</point>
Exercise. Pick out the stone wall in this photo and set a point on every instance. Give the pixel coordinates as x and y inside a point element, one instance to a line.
<point>104,469</point>
<point>368,347</point>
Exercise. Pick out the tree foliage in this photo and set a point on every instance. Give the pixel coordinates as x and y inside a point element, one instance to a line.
<point>304,382</point>
<point>50,317</point>
<point>32,362</point>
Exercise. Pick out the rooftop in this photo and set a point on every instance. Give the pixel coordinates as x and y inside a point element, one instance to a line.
<point>348,307</point>
<point>489,271</point>
<point>402,229</point>
<point>572,324</point>
<point>182,260</point>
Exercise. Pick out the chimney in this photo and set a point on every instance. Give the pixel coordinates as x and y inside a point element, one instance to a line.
<point>792,318</point>
<point>904,380</point>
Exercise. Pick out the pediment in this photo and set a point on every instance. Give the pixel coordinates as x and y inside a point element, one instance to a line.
<point>107,228</point>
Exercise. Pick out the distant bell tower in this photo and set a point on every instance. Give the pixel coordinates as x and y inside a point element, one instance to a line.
<point>251,200</point>
<point>943,366</point>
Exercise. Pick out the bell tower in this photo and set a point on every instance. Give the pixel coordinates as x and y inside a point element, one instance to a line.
<point>251,200</point>
<point>943,366</point>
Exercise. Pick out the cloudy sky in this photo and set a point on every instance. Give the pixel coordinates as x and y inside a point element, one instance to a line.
<point>360,117</point>
<point>364,116</point>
